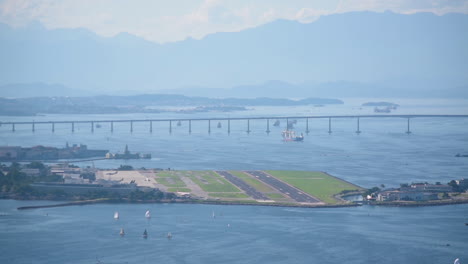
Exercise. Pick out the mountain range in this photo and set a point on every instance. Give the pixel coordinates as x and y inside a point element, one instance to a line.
<point>352,54</point>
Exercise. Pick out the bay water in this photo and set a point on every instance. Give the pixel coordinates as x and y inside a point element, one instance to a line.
<point>382,154</point>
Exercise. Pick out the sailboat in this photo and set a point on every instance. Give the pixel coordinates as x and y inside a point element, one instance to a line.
<point>169,235</point>
<point>145,234</point>
<point>122,232</point>
<point>116,215</point>
<point>148,214</point>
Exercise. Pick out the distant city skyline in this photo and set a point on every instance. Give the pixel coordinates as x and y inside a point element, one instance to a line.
<point>168,21</point>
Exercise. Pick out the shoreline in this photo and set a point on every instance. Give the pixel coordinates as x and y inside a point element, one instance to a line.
<point>109,201</point>
<point>419,204</point>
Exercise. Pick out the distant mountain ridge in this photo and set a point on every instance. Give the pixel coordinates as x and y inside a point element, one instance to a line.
<point>409,54</point>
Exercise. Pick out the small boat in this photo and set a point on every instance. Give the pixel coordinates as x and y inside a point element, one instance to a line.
<point>169,235</point>
<point>145,234</point>
<point>148,214</point>
<point>116,215</point>
<point>382,110</point>
<point>122,232</point>
<point>290,135</point>
<point>219,124</point>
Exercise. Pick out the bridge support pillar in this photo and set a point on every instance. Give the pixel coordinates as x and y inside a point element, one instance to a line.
<point>329,125</point>
<point>408,131</point>
<point>13,128</point>
<point>358,131</point>
<point>112,127</point>
<point>229,126</point>
<point>73,127</point>
<point>33,127</point>
<point>307,126</point>
<point>92,127</point>
<point>131,126</point>
<point>190,126</point>
<point>151,126</point>
<point>209,126</point>
<point>268,126</point>
<point>53,127</point>
<point>248,126</point>
<point>170,126</point>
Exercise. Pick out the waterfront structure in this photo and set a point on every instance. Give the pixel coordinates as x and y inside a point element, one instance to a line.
<point>110,122</point>
<point>16,153</point>
<point>396,195</point>
<point>127,155</point>
<point>426,187</point>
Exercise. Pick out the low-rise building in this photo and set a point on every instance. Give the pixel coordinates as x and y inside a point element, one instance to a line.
<point>31,172</point>
<point>396,195</point>
<point>426,187</point>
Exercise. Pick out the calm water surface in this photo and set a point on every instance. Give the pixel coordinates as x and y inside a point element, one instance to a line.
<point>237,234</point>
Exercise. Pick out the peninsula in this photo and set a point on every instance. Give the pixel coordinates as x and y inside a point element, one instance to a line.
<point>252,187</point>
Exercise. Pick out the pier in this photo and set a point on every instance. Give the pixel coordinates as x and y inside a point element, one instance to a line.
<point>34,124</point>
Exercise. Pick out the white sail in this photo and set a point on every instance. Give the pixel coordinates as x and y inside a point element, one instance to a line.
<point>457,261</point>
<point>116,215</point>
<point>148,214</point>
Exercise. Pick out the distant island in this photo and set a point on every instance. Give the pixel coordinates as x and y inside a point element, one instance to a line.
<point>148,103</point>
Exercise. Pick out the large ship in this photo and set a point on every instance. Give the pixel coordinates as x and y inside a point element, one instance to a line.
<point>290,135</point>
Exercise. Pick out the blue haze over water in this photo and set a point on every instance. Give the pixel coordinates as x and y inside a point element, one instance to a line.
<point>381,154</point>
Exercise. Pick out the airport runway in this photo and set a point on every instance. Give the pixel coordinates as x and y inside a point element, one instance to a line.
<point>292,192</point>
<point>249,190</point>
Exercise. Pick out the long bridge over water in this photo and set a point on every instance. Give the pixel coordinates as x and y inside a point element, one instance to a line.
<point>267,120</point>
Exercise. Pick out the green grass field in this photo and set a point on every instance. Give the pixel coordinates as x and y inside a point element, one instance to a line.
<point>171,182</point>
<point>209,181</point>
<point>170,179</point>
<point>317,184</point>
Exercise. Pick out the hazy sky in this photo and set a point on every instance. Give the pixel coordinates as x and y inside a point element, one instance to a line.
<point>172,20</point>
